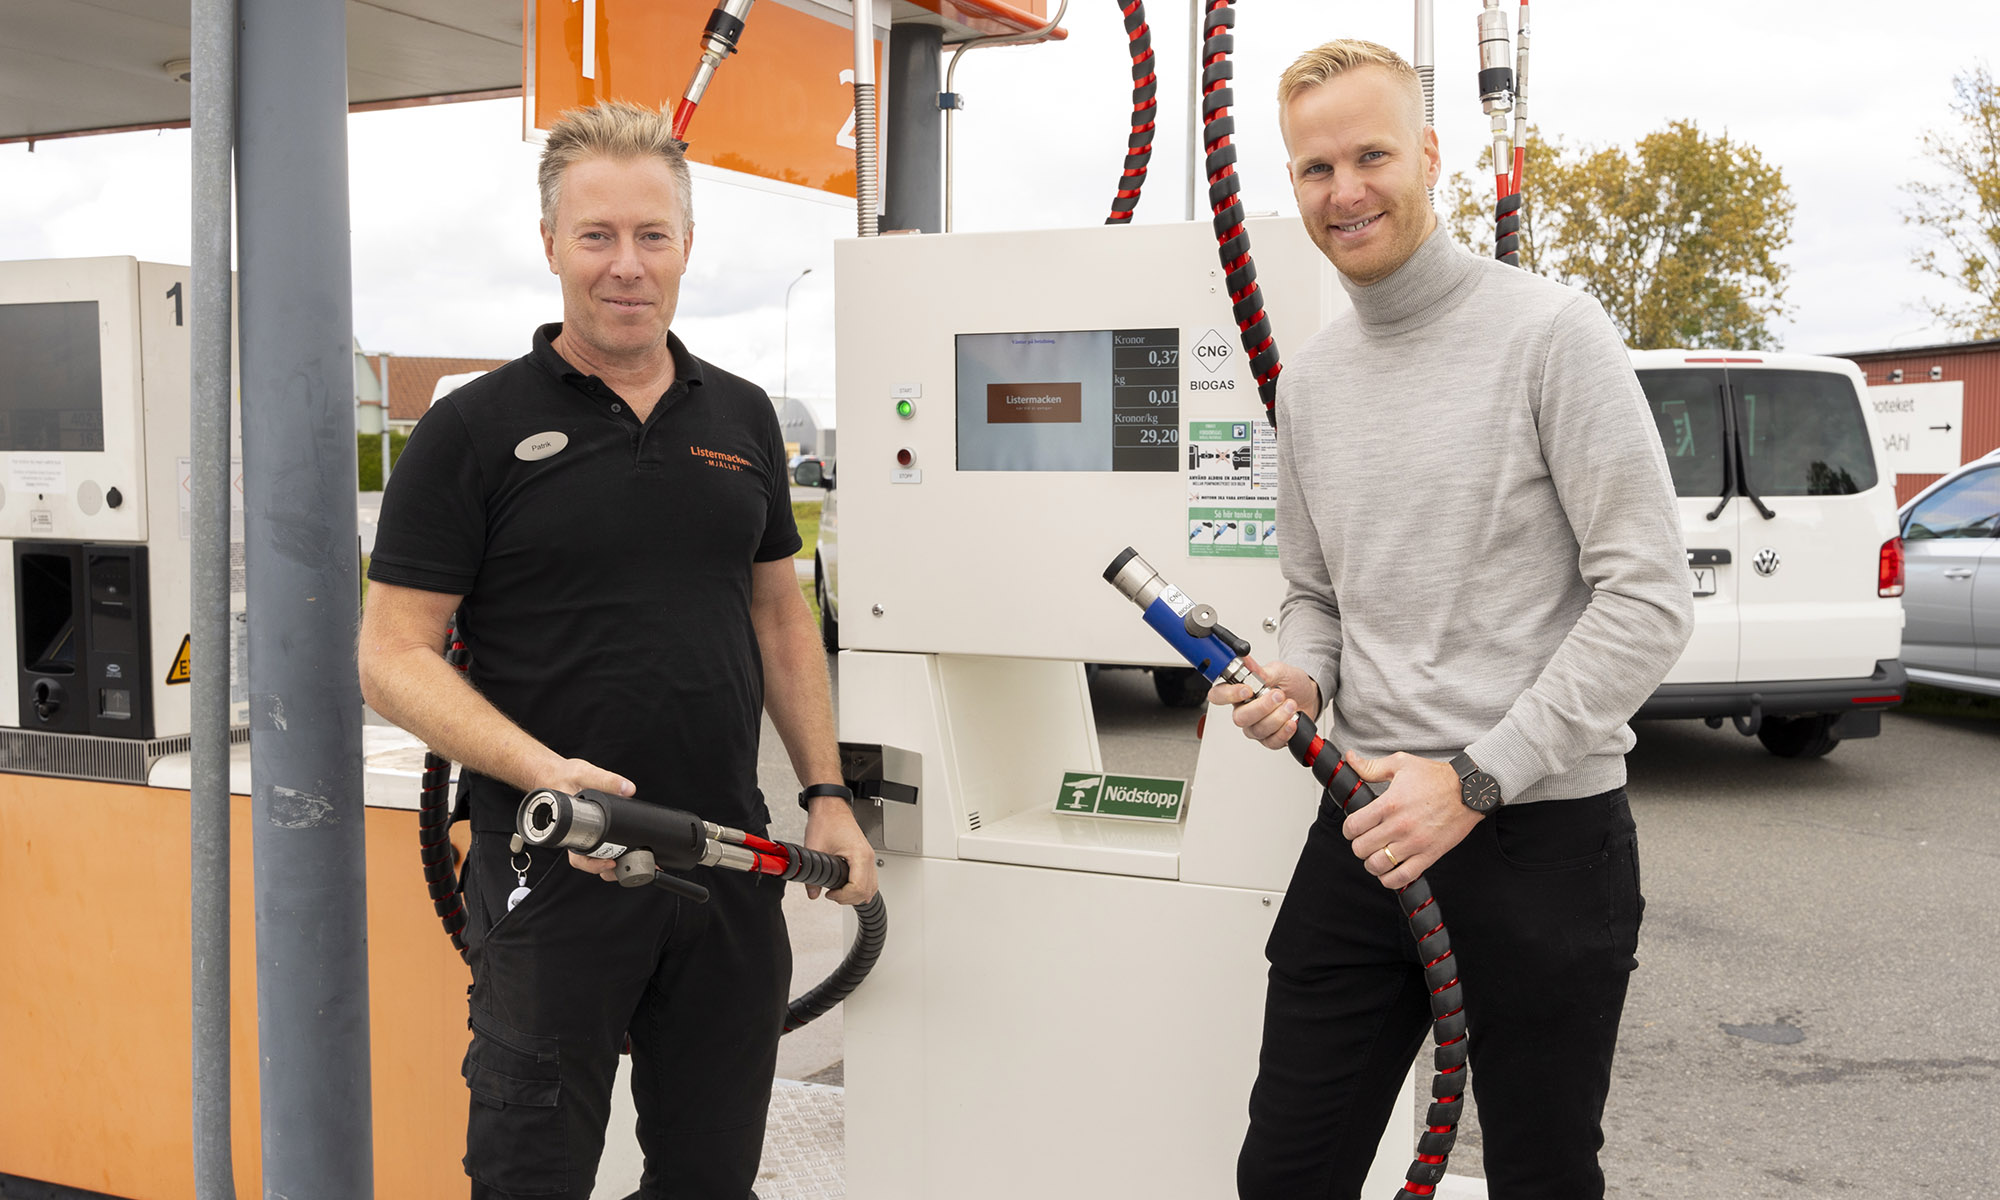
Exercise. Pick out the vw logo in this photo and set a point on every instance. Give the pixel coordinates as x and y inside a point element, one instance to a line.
<point>1766,561</point>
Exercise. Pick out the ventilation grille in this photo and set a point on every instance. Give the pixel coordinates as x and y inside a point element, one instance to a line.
<point>81,756</point>
<point>972,818</point>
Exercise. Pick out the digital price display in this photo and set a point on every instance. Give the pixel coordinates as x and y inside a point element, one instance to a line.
<point>1075,400</point>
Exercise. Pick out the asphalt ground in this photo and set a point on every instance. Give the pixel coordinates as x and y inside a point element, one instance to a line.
<point>1838,913</point>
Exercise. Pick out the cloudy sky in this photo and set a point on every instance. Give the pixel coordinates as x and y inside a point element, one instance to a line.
<point>447,262</point>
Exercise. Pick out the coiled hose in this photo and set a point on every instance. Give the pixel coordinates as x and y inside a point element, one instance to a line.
<point>1232,240</point>
<point>1145,115</point>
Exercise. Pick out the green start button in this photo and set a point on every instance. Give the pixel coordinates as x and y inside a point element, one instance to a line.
<point>1130,797</point>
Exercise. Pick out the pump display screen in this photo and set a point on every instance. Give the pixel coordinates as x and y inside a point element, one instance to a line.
<point>1078,400</point>
<point>51,383</point>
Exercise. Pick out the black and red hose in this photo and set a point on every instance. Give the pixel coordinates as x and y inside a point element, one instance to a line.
<point>434,817</point>
<point>1232,239</point>
<point>1352,793</point>
<point>1145,115</point>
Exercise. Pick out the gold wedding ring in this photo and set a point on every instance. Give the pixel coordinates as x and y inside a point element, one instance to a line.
<point>1391,854</point>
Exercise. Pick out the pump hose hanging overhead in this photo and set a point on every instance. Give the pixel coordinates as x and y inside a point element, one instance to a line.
<point>1232,239</point>
<point>1145,115</point>
<point>1222,657</point>
<point>594,818</point>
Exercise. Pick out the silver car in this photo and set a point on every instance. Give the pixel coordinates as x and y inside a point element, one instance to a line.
<point>1951,600</point>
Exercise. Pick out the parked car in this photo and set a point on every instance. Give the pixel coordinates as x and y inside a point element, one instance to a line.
<point>1951,543</point>
<point>1793,548</point>
<point>812,471</point>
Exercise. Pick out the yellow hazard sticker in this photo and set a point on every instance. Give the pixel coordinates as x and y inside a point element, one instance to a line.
<point>178,673</point>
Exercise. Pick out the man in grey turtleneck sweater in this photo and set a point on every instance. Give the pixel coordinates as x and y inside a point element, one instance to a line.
<point>1485,578</point>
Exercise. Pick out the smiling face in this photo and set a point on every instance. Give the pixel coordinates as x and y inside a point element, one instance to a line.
<point>619,242</point>
<point>1360,159</point>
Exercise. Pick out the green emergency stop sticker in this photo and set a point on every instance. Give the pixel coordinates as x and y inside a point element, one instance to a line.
<point>1130,797</point>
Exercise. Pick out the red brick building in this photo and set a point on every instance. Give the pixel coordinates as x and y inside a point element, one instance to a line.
<point>1977,364</point>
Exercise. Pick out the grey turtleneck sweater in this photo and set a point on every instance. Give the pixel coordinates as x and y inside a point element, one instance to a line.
<point>1478,533</point>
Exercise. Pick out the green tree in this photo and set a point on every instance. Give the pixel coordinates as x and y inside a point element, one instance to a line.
<point>1679,240</point>
<point>1961,216</point>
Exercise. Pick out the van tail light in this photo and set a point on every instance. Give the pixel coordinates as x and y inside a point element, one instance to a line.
<point>1889,571</point>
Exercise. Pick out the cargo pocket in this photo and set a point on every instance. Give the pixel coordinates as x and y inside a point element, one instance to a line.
<point>514,1136</point>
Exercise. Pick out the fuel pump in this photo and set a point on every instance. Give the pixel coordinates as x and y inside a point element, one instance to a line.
<point>94,511</point>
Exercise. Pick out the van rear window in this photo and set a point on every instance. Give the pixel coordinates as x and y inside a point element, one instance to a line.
<point>1687,410</point>
<point>1803,434</point>
<point>1802,431</point>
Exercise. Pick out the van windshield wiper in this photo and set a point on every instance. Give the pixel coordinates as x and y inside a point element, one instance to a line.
<point>1742,456</point>
<point>1728,453</point>
<point>1735,471</point>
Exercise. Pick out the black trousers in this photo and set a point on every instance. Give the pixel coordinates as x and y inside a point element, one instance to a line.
<point>561,980</point>
<point>1542,903</point>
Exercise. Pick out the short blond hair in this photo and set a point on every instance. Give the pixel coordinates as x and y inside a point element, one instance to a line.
<point>615,129</point>
<point>1322,63</point>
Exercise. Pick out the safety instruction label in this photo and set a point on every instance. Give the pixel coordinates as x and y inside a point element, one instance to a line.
<point>37,473</point>
<point>1127,797</point>
<point>1232,489</point>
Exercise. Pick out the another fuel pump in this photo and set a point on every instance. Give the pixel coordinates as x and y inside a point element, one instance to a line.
<point>94,508</point>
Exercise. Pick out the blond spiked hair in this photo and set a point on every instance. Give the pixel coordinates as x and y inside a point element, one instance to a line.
<point>1322,63</point>
<point>615,129</point>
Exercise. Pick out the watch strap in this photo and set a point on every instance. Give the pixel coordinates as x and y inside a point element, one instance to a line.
<point>1462,765</point>
<point>816,790</point>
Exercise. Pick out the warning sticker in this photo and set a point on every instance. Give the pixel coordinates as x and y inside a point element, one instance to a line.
<point>178,673</point>
<point>1232,502</point>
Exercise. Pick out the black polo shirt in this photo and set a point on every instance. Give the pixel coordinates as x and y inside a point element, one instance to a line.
<point>605,566</point>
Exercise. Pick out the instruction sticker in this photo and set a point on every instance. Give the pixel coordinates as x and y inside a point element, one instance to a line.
<point>37,473</point>
<point>1126,797</point>
<point>1232,480</point>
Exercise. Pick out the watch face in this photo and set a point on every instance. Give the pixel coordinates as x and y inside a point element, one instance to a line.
<point>1480,791</point>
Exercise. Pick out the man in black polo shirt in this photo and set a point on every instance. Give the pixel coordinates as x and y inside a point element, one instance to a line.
<point>610,519</point>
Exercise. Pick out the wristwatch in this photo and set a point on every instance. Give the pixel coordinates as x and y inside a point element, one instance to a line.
<point>824,789</point>
<point>1479,791</point>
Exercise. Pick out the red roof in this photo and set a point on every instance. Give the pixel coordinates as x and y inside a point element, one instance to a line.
<point>412,379</point>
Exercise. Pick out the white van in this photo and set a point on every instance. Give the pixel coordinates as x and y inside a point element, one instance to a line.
<point>1793,553</point>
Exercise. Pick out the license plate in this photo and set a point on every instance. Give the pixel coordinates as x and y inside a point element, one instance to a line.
<point>1704,580</point>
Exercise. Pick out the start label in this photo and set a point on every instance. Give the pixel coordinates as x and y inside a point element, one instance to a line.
<point>1127,797</point>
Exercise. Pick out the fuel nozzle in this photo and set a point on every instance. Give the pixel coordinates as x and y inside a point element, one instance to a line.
<point>718,41</point>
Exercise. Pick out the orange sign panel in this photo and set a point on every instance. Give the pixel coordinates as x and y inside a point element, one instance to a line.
<point>781,107</point>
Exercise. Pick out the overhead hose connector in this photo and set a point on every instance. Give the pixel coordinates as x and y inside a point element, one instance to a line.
<point>1222,657</point>
<point>1232,239</point>
<point>718,41</point>
<point>1498,95</point>
<point>1145,115</point>
<point>434,817</point>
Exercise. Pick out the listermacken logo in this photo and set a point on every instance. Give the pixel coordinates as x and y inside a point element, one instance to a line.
<point>716,458</point>
<point>541,445</point>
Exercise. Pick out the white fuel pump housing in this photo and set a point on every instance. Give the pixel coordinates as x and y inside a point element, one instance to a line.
<point>95,518</point>
<point>1069,1006</point>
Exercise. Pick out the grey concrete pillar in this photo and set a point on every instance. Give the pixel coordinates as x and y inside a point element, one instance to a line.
<point>297,354</point>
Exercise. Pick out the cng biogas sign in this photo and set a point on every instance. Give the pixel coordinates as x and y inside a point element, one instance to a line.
<point>1127,797</point>
<point>781,107</point>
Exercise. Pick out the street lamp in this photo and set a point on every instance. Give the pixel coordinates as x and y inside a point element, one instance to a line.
<point>788,331</point>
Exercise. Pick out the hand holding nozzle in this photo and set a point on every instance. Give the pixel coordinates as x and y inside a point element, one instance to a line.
<point>650,840</point>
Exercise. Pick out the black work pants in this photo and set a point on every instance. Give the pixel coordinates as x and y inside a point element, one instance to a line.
<point>1542,904</point>
<point>561,980</point>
